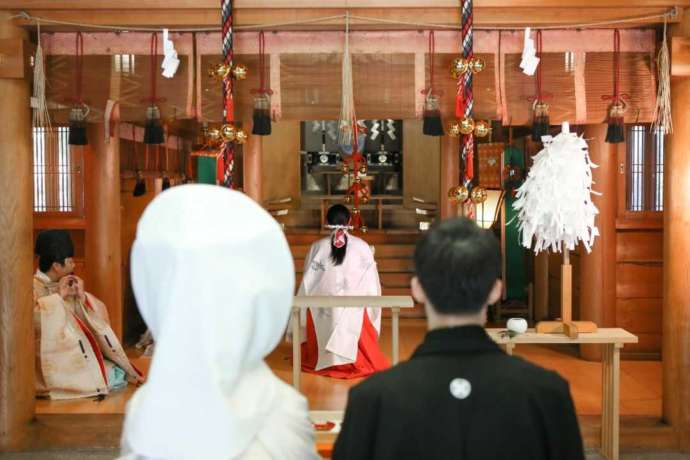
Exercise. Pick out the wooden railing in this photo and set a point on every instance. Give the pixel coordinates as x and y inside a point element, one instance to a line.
<point>395,303</point>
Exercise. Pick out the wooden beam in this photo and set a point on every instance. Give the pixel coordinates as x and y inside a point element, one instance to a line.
<point>17,387</point>
<point>448,16</point>
<point>334,4</point>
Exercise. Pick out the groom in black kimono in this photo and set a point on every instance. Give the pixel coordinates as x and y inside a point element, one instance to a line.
<point>460,396</point>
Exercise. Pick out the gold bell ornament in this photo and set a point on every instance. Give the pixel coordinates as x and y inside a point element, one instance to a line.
<point>458,193</point>
<point>482,128</point>
<point>478,195</point>
<point>459,67</point>
<point>467,125</point>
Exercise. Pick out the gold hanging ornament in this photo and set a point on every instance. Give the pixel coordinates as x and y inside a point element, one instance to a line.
<point>348,199</point>
<point>478,195</point>
<point>228,133</point>
<point>482,128</point>
<point>241,136</point>
<point>454,129</point>
<point>213,135</point>
<point>476,65</point>
<point>363,170</point>
<point>459,67</point>
<point>222,70</point>
<point>467,125</point>
<point>458,193</point>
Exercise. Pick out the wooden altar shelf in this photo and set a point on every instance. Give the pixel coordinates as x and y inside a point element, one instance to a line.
<point>395,303</point>
<point>613,340</point>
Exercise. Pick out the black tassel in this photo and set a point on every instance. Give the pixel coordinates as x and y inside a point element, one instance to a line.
<point>166,183</point>
<point>540,121</point>
<point>77,133</point>
<point>433,126</point>
<point>262,122</point>
<point>140,187</point>
<point>77,125</point>
<point>153,132</point>
<point>615,133</point>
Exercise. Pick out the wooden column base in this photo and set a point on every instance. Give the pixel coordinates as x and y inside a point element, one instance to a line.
<point>569,328</point>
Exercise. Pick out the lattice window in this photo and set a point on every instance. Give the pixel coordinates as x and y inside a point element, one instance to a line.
<point>58,181</point>
<point>645,172</point>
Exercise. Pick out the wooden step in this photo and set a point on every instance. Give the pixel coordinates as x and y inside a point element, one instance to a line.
<point>384,265</point>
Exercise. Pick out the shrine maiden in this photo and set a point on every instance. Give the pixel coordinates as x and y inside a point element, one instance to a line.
<point>341,342</point>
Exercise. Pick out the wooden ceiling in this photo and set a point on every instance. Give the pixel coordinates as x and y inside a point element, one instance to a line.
<point>206,13</point>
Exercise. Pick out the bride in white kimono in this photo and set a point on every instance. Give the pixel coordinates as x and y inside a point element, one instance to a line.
<point>341,342</point>
<point>213,277</point>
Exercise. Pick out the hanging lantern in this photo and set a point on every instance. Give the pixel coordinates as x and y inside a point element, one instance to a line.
<point>433,126</point>
<point>482,128</point>
<point>454,129</point>
<point>476,65</point>
<point>241,136</point>
<point>153,129</point>
<point>458,194</point>
<point>467,125</point>
<point>540,120</point>
<point>459,67</point>
<point>478,195</point>
<point>77,125</point>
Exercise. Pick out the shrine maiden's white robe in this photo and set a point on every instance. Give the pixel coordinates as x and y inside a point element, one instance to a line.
<point>75,345</point>
<point>338,329</point>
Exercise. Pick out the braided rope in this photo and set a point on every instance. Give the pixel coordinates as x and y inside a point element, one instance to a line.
<point>228,150</point>
<point>467,146</point>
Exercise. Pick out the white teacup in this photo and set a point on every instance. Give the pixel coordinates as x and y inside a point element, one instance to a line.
<point>517,325</point>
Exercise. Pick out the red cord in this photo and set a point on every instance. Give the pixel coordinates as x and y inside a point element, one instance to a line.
<point>616,64</point>
<point>154,52</point>
<point>432,50</point>
<point>78,70</point>
<point>539,66</point>
<point>262,62</point>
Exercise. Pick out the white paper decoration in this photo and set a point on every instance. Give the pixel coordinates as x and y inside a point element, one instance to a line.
<point>554,204</point>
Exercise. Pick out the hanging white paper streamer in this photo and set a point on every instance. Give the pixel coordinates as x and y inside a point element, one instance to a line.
<point>554,204</point>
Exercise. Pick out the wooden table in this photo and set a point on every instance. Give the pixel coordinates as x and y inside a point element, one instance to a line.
<point>394,302</point>
<point>612,341</point>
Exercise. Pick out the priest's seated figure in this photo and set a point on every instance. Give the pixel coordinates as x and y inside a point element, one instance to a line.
<point>460,396</point>
<point>341,342</point>
<point>77,352</point>
<point>213,278</point>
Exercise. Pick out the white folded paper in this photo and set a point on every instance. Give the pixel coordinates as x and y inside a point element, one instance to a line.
<point>170,60</point>
<point>529,61</point>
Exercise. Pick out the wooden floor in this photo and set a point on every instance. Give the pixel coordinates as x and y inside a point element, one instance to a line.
<point>640,380</point>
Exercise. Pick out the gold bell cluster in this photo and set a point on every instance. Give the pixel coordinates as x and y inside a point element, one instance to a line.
<point>221,70</point>
<point>460,194</point>
<point>461,66</point>
<point>226,133</point>
<point>467,125</point>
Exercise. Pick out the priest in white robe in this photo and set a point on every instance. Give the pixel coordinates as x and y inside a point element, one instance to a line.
<point>77,353</point>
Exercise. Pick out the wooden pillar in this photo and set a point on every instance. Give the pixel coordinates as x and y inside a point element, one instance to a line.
<point>252,167</point>
<point>598,268</point>
<point>17,387</point>
<point>450,175</point>
<point>676,306</point>
<point>103,226</point>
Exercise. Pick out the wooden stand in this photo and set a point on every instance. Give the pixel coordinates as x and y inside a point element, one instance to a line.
<point>566,325</point>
